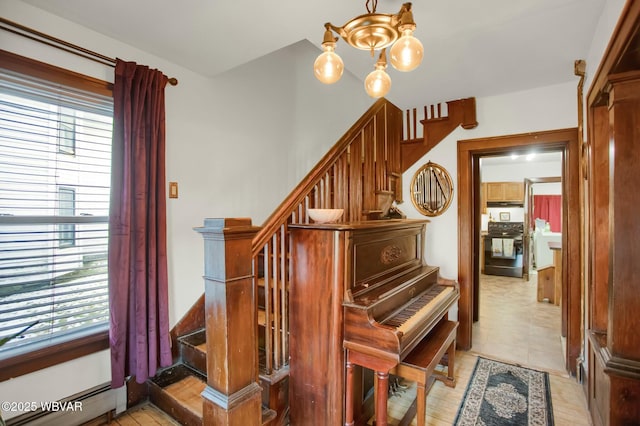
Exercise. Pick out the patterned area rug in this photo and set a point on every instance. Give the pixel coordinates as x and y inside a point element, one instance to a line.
<point>504,394</point>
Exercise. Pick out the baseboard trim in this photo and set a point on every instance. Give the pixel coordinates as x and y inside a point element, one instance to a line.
<point>76,409</point>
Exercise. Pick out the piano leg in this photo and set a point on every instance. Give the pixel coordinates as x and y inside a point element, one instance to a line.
<point>382,393</point>
<point>451,357</point>
<point>381,366</point>
<point>349,396</point>
<point>421,395</point>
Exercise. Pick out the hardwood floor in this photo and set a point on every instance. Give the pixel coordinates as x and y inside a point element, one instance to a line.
<point>145,414</point>
<point>513,327</point>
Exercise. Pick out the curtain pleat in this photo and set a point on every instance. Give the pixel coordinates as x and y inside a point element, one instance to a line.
<point>138,279</point>
<point>549,208</point>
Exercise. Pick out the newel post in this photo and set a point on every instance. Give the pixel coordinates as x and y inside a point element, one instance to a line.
<point>232,395</point>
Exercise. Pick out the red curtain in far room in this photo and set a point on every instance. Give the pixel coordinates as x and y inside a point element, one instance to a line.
<point>549,208</point>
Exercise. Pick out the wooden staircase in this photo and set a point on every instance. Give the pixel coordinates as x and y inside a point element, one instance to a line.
<point>436,125</point>
<point>361,174</point>
<point>178,390</point>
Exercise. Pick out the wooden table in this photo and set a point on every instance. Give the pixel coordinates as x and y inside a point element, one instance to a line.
<point>556,247</point>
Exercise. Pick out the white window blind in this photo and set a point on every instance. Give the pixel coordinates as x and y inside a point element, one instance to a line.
<point>55,161</point>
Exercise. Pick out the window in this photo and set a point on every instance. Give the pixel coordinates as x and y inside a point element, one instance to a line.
<point>67,131</point>
<point>66,207</point>
<point>55,161</point>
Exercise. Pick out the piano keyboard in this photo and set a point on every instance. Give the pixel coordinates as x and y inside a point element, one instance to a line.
<point>405,319</point>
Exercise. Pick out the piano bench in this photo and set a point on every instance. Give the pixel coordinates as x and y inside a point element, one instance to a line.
<point>439,346</point>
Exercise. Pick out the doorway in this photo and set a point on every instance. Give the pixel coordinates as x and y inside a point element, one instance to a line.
<point>532,187</point>
<point>469,220</point>
<point>511,321</point>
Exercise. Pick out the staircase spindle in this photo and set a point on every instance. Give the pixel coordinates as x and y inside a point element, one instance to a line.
<point>337,181</point>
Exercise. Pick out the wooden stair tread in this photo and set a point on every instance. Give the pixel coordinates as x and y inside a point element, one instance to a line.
<point>268,415</point>
<point>188,392</point>
<point>185,396</point>
<point>434,119</point>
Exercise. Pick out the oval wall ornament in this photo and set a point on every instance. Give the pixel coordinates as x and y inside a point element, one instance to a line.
<point>431,189</point>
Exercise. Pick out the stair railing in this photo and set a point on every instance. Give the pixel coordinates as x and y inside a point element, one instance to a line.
<point>438,121</point>
<point>361,169</point>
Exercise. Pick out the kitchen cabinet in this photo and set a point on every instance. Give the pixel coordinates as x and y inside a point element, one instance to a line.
<point>483,197</point>
<point>505,191</point>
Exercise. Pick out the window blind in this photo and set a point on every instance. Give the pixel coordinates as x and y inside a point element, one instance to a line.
<point>55,161</point>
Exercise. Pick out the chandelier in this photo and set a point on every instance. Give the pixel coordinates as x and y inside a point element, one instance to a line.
<point>372,31</point>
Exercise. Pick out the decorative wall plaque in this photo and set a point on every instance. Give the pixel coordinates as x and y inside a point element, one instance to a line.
<point>431,189</point>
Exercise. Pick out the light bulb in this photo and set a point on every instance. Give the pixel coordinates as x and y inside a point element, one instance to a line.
<point>377,83</point>
<point>328,66</point>
<point>406,53</point>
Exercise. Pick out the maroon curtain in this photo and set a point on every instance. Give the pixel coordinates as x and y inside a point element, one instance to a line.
<point>549,208</point>
<point>138,283</point>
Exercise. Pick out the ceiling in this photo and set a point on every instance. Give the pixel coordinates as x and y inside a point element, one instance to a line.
<point>472,48</point>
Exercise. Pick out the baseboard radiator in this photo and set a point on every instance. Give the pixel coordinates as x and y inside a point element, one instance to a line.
<point>76,409</point>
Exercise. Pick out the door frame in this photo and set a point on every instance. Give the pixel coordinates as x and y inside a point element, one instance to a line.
<point>469,220</point>
<point>528,182</point>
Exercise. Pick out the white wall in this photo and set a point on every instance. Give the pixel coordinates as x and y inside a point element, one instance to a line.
<point>550,188</point>
<point>231,146</point>
<point>519,171</point>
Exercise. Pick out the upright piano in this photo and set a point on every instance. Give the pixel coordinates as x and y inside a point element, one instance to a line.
<point>360,294</point>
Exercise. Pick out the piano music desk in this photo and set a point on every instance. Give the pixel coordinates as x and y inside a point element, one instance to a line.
<point>420,365</point>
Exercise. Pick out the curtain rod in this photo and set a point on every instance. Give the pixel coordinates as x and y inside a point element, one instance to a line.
<point>38,36</point>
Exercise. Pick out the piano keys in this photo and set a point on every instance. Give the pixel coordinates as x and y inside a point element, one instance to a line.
<point>398,321</point>
<point>408,318</point>
<point>358,288</point>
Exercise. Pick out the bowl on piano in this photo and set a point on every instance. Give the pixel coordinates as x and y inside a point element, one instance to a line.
<point>325,215</point>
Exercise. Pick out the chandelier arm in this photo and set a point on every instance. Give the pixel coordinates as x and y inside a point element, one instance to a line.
<point>375,6</point>
<point>339,30</point>
<point>405,17</point>
<point>328,35</point>
<point>382,59</point>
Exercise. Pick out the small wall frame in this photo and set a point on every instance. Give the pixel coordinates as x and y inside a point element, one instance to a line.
<point>431,189</point>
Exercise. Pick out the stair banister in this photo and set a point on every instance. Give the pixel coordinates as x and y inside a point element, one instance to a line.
<point>346,177</point>
<point>232,395</point>
<point>295,198</point>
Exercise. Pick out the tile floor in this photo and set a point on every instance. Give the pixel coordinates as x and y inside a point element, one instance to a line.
<point>515,327</point>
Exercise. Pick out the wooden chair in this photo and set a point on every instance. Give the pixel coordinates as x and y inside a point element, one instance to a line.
<point>547,284</point>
